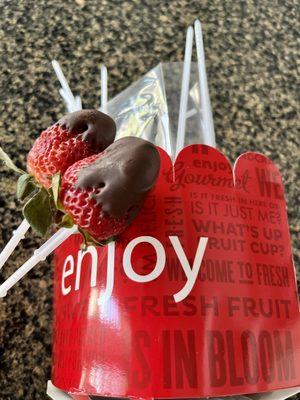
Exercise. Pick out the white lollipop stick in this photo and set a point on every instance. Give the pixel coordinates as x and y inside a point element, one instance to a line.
<point>191,113</point>
<point>56,394</point>
<point>65,98</point>
<point>208,124</point>
<point>164,114</point>
<point>166,129</point>
<point>78,102</point>
<point>65,91</point>
<point>17,236</point>
<point>104,89</point>
<point>184,89</point>
<point>40,254</point>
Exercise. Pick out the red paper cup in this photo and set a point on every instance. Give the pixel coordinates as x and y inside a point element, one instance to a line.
<point>197,298</point>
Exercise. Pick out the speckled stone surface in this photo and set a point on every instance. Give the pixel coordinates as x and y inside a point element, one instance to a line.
<point>251,55</point>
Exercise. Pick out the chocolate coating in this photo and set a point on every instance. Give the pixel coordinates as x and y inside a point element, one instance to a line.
<point>96,128</point>
<point>125,172</point>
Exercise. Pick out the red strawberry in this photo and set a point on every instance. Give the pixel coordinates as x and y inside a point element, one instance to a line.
<point>104,192</point>
<point>55,150</point>
<point>82,207</point>
<point>76,136</point>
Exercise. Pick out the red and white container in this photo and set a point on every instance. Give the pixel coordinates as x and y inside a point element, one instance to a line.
<point>198,297</point>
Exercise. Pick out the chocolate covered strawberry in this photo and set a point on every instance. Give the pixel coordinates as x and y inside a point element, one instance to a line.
<point>72,138</point>
<point>104,192</point>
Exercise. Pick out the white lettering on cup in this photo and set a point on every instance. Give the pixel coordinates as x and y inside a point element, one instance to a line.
<point>160,259</point>
<point>191,273</point>
<point>69,260</point>
<point>110,274</point>
<point>91,250</point>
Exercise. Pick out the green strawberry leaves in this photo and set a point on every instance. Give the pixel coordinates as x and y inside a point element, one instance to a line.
<point>55,188</point>
<point>89,240</point>
<point>66,221</point>
<point>9,163</point>
<point>25,186</point>
<point>38,212</point>
<point>44,206</point>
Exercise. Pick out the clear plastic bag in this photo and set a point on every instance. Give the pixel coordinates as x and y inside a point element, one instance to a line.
<point>149,108</point>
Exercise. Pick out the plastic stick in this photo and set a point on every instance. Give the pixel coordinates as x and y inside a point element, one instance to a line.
<point>208,124</point>
<point>56,394</point>
<point>164,113</point>
<point>184,89</point>
<point>65,98</point>
<point>78,102</point>
<point>65,88</point>
<point>40,254</point>
<point>166,129</point>
<point>65,91</point>
<point>17,236</point>
<point>103,89</point>
<point>191,113</point>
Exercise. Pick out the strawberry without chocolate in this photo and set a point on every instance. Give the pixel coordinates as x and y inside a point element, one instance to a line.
<point>103,193</point>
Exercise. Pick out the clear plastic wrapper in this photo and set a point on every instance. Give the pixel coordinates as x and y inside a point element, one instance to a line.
<point>149,108</point>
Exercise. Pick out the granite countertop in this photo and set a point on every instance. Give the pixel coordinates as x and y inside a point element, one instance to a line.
<point>251,53</point>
